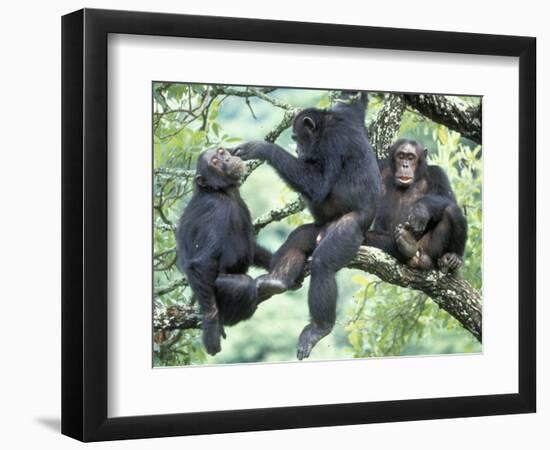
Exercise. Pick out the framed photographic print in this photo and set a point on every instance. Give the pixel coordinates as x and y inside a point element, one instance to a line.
<point>274,224</point>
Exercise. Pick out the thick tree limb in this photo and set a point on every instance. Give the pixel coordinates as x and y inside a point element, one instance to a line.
<point>453,294</point>
<point>451,112</point>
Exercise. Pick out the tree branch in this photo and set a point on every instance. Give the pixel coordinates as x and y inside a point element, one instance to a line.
<point>449,111</point>
<point>176,317</point>
<point>453,294</point>
<point>384,129</point>
<point>278,214</point>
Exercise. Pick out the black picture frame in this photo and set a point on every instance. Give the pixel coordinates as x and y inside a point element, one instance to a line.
<point>84,224</point>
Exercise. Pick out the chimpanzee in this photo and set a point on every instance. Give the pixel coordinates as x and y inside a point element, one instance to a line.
<point>336,173</point>
<point>419,221</point>
<point>216,246</point>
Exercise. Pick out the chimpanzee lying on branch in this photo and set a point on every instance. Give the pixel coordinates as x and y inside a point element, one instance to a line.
<point>216,246</point>
<point>419,221</point>
<point>336,173</point>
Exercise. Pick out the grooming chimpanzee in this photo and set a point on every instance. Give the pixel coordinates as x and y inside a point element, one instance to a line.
<point>336,172</point>
<point>419,221</point>
<point>216,246</point>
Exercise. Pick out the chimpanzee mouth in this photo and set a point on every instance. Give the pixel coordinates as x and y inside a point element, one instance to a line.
<point>237,168</point>
<point>405,179</point>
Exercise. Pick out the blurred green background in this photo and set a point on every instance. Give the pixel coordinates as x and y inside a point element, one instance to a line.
<point>374,318</point>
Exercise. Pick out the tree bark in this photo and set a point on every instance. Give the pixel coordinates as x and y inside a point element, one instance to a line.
<point>384,129</point>
<point>453,113</point>
<point>451,293</point>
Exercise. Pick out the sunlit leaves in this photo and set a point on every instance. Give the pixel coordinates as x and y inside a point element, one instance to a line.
<point>442,134</point>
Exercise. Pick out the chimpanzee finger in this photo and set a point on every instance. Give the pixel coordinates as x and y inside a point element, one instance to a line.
<point>244,152</point>
<point>397,231</point>
<point>455,262</point>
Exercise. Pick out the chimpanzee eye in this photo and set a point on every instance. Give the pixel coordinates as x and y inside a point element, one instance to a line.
<point>220,151</point>
<point>214,160</point>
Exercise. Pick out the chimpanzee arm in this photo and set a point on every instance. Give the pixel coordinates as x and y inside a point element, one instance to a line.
<point>301,176</point>
<point>262,257</point>
<point>432,205</point>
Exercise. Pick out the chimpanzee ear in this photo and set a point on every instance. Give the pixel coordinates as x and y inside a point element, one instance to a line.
<point>425,153</point>
<point>309,123</point>
<point>200,180</point>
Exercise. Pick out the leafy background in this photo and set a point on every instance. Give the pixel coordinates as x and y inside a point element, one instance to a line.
<point>374,318</point>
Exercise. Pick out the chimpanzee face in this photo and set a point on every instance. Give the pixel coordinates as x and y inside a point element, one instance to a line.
<point>406,160</point>
<point>218,169</point>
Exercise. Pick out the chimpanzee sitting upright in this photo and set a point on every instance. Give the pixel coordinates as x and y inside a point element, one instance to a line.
<point>337,174</point>
<point>419,221</point>
<point>216,246</point>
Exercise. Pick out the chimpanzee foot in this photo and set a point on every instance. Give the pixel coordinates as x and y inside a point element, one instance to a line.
<point>268,286</point>
<point>405,240</point>
<point>309,337</point>
<point>449,262</point>
<point>212,331</point>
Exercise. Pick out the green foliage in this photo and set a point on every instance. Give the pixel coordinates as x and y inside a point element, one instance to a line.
<point>375,318</point>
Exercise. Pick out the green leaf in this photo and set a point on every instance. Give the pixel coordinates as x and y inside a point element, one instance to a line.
<point>442,134</point>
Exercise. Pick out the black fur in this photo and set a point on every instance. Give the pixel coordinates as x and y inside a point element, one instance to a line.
<point>216,246</point>
<point>336,172</point>
<point>419,223</point>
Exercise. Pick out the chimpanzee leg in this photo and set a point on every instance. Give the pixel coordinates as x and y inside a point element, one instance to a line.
<point>262,257</point>
<point>436,241</point>
<point>339,245</point>
<point>393,245</point>
<point>236,297</point>
<point>288,262</point>
<point>383,241</point>
<point>445,243</point>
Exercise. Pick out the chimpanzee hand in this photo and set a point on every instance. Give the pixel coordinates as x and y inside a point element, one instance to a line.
<point>449,262</point>
<point>212,331</point>
<point>251,150</point>
<point>418,218</point>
